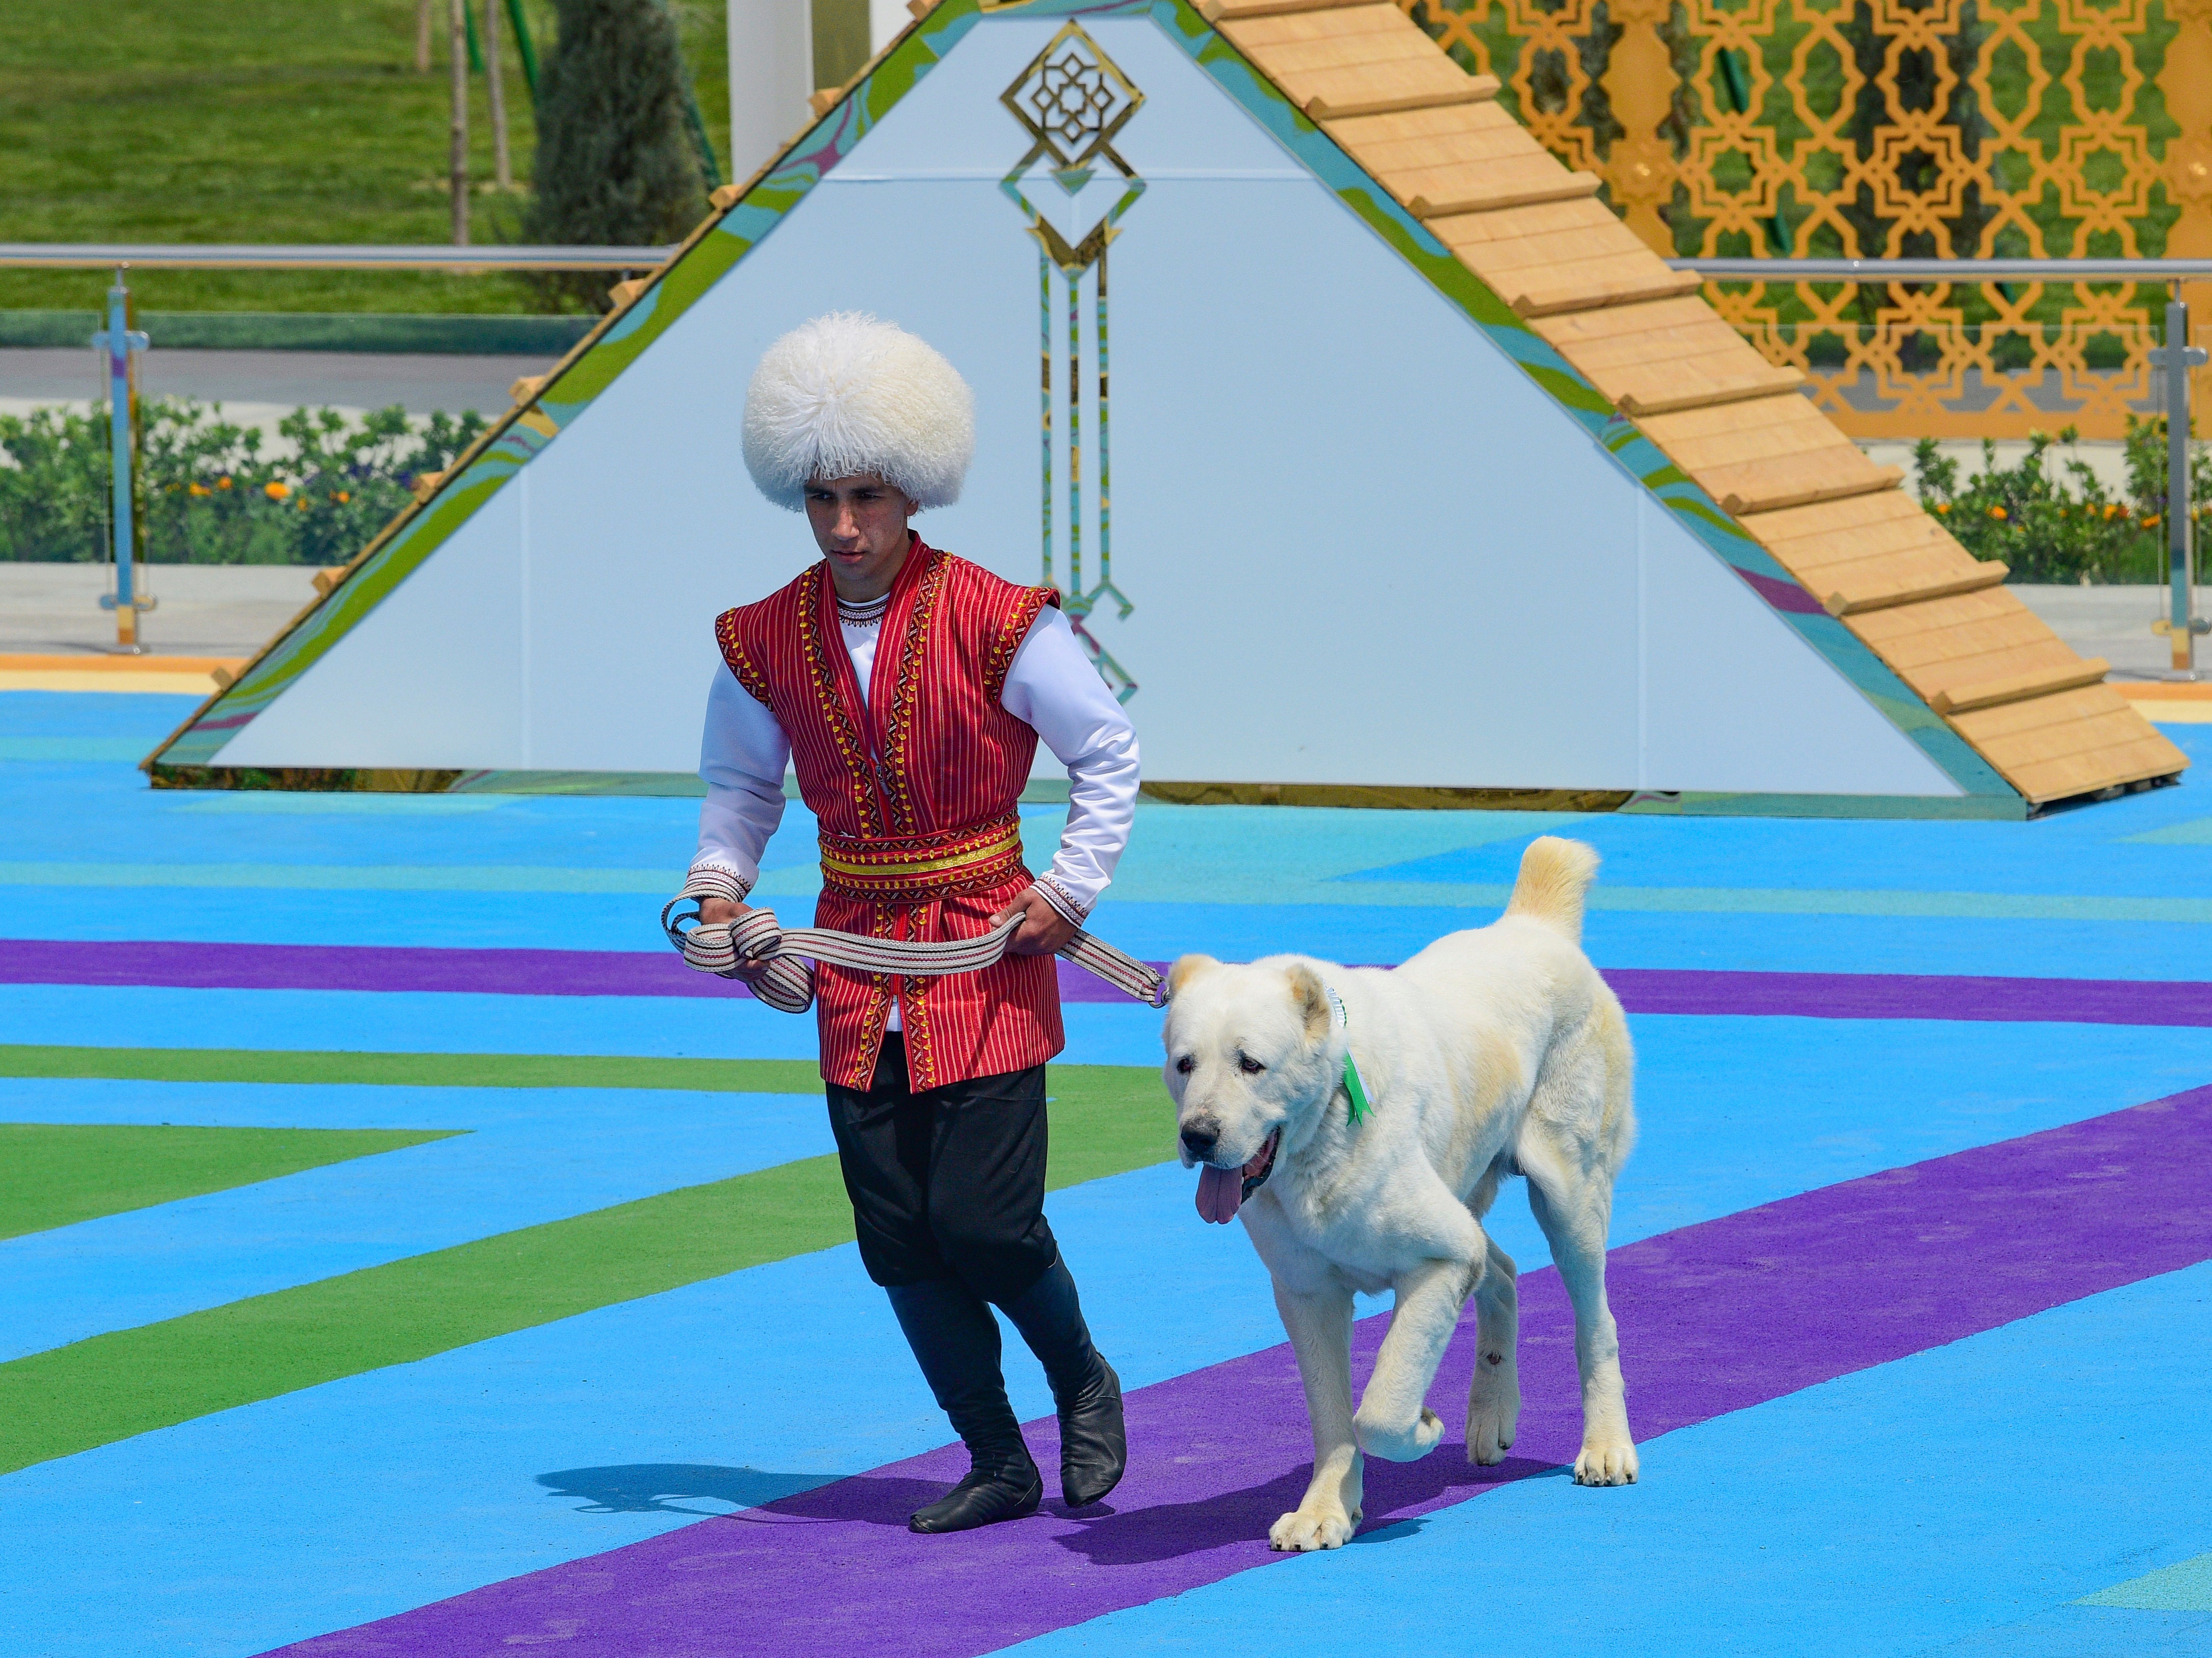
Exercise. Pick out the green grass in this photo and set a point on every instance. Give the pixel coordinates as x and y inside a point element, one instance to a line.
<point>262,121</point>
<point>56,1174</point>
<point>1106,1120</point>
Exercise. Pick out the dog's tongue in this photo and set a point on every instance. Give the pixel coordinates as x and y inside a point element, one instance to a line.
<point>1219,1191</point>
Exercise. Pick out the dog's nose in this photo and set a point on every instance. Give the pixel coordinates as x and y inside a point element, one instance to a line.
<point>1200,1139</point>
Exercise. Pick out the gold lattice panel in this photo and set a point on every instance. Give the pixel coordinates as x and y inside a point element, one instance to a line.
<point>2047,128</point>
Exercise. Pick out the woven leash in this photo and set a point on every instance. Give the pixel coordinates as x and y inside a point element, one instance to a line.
<point>772,961</point>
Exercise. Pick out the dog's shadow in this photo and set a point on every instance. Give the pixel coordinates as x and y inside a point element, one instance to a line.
<point>1168,1531</point>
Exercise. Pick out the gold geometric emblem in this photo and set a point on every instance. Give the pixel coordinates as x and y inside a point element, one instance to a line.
<point>1073,99</point>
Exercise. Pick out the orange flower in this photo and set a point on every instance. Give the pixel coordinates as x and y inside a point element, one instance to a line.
<point>275,490</point>
<point>1942,506</point>
<point>222,484</point>
<point>1998,512</point>
<point>2151,523</point>
<point>340,496</point>
<point>197,489</point>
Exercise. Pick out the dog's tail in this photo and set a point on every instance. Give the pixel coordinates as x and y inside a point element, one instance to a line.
<point>1554,876</point>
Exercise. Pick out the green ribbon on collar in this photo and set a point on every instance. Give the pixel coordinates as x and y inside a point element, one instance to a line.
<point>1355,1090</point>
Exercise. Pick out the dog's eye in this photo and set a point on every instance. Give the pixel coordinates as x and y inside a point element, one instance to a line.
<point>1250,1067</point>
<point>1184,1065</point>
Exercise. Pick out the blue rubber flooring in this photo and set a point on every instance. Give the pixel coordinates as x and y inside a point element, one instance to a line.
<point>1976,1499</point>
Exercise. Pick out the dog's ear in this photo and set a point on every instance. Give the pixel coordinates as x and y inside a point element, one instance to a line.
<point>1187,969</point>
<point>1310,997</point>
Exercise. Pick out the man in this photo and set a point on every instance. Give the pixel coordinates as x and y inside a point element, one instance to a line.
<point>908,688</point>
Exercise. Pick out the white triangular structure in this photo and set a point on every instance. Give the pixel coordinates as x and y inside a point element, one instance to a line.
<point>1363,543</point>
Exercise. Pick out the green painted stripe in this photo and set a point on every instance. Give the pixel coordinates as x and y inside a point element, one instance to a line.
<point>1105,1121</point>
<point>242,1065</point>
<point>57,1174</point>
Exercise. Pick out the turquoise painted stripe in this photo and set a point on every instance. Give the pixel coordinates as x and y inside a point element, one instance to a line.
<point>71,748</point>
<point>2184,1587</point>
<point>1164,885</point>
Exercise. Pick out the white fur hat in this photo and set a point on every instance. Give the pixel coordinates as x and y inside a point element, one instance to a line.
<point>845,394</point>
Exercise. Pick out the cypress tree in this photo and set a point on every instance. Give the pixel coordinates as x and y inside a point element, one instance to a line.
<point>615,162</point>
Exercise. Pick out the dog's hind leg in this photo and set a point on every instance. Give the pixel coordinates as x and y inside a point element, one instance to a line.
<point>1574,1212</point>
<point>1493,1399</point>
<point>1393,1421</point>
<point>1319,1328</point>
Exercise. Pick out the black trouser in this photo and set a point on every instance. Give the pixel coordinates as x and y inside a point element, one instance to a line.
<point>948,1183</point>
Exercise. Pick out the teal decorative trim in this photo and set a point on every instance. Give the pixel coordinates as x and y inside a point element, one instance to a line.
<point>719,246</point>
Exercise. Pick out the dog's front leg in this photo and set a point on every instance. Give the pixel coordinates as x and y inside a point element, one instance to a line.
<point>1320,1327</point>
<point>1393,1421</point>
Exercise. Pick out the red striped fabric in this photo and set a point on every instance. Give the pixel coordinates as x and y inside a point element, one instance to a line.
<point>930,751</point>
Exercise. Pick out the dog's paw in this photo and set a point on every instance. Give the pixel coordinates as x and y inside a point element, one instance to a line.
<point>1612,1463</point>
<point>1491,1422</point>
<point>1306,1529</point>
<point>1405,1444</point>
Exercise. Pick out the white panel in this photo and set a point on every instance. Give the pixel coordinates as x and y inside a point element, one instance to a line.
<point>432,677</point>
<point>771,76</point>
<point>1363,546</point>
<point>1737,702</point>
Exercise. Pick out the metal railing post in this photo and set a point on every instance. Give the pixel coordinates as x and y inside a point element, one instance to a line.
<point>2177,357</point>
<point>120,341</point>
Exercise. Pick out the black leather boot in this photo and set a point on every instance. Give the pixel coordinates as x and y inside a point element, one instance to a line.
<point>956,1340</point>
<point>1094,1449</point>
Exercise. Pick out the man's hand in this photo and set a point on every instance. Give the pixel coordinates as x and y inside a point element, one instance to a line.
<point>720,909</point>
<point>1044,930</point>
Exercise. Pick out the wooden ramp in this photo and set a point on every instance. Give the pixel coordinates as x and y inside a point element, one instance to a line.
<point>1535,233</point>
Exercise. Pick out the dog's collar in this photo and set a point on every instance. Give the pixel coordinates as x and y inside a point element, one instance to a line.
<point>1355,1091</point>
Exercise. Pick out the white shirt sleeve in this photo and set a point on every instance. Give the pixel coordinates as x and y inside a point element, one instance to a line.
<point>741,757</point>
<point>1053,687</point>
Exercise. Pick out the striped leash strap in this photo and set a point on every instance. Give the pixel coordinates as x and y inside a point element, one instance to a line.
<point>771,960</point>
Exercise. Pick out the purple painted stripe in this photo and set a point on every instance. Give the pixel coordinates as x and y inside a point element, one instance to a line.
<point>1713,1318</point>
<point>1915,996</point>
<point>393,967</point>
<point>1783,595</point>
<point>660,973</point>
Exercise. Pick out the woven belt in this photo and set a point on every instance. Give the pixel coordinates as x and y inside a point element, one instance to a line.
<point>919,869</point>
<point>771,960</point>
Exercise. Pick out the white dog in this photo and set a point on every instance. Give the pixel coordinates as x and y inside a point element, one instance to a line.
<point>1493,1052</point>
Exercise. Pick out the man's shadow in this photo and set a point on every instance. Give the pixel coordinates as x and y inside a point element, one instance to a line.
<point>668,1487</point>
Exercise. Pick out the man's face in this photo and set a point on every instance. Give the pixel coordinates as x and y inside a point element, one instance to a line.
<point>859,523</point>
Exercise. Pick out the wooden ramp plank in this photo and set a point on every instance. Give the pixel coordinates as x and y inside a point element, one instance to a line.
<point>1766,452</point>
<point>1664,355</point>
<point>2072,743</point>
<point>1559,255</point>
<point>1459,158</point>
<point>1354,60</point>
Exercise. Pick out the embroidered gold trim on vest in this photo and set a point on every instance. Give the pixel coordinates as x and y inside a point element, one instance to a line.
<point>919,868</point>
<point>898,718</point>
<point>822,673</point>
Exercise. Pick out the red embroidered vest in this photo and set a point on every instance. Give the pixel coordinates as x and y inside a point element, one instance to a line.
<point>915,789</point>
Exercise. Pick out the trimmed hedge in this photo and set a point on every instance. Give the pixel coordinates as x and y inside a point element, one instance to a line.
<point>207,493</point>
